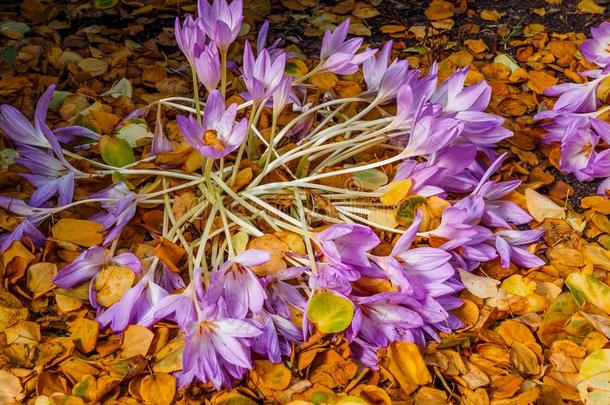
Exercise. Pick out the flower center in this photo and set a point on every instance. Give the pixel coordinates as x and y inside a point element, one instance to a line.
<point>206,327</point>
<point>587,150</point>
<point>210,137</point>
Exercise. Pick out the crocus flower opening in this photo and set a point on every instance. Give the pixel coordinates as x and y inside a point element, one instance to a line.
<point>217,349</point>
<point>190,36</point>
<point>263,74</point>
<point>235,289</point>
<point>221,21</point>
<point>218,135</point>
<point>207,66</point>
<point>384,80</point>
<point>597,49</point>
<point>338,55</point>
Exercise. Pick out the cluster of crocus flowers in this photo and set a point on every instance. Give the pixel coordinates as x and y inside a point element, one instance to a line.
<point>439,138</point>
<point>576,120</point>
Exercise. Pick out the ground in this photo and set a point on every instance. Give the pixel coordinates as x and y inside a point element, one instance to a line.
<point>527,345</point>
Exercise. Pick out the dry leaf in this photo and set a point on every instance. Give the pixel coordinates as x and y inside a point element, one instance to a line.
<point>541,207</point>
<point>78,231</point>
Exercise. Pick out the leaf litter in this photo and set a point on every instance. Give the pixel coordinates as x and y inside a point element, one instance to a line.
<point>536,335</point>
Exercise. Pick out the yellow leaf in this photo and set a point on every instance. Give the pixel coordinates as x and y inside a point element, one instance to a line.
<point>539,81</point>
<point>276,248</point>
<point>243,177</point>
<point>78,231</point>
<point>491,15</point>
<point>392,29</point>
<point>17,250</point>
<point>271,376</point>
<point>364,11</point>
<point>40,276</point>
<point>476,45</point>
<point>397,191</point>
<point>111,283</point>
<point>517,285</point>
<point>158,389</point>
<point>10,388</point>
<point>439,10</point>
<point>84,333</point>
<point>406,364</point>
<point>325,81</point>
<point>591,7</point>
<point>541,207</point>
<point>24,332</point>
<point>136,341</point>
<point>360,29</point>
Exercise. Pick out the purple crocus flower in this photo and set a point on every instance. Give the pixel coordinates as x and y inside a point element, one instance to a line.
<point>89,263</point>
<point>454,97</point>
<point>41,152</point>
<point>221,21</point>
<point>235,289</point>
<point>338,55</point>
<point>216,349</point>
<point>336,277</point>
<point>31,217</point>
<point>511,247</point>
<point>119,209</point>
<point>261,40</point>
<point>180,308</point>
<point>190,36</point>
<point>431,133</point>
<point>207,66</point>
<point>50,176</point>
<point>384,80</point>
<point>282,96</point>
<point>460,227</point>
<point>597,49</point>
<point>133,305</point>
<point>573,98</point>
<point>347,244</point>
<point>577,151</point>
<point>498,212</point>
<point>160,143</point>
<point>263,74</point>
<point>279,333</point>
<point>218,135</point>
<point>278,336</point>
<point>600,165</point>
<point>21,132</point>
<point>378,321</point>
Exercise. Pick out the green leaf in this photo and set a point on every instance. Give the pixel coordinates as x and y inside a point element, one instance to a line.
<point>587,288</point>
<point>116,152</point>
<point>295,67</point>
<point>14,30</point>
<point>370,179</point>
<point>134,131</point>
<point>405,214</point>
<point>595,390</point>
<point>121,88</point>
<point>330,313</point>
<point>508,61</point>
<point>7,158</point>
<point>596,362</point>
<point>557,316</point>
<point>8,55</point>
<point>105,4</point>
<point>58,98</point>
